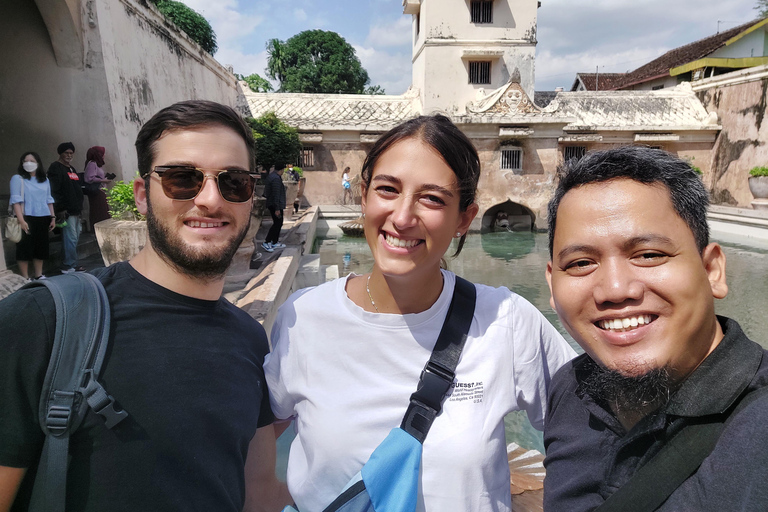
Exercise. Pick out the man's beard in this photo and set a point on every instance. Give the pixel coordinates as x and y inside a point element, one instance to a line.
<point>634,393</point>
<point>192,262</point>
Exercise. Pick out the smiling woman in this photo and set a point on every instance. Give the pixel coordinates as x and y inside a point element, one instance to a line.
<point>348,354</point>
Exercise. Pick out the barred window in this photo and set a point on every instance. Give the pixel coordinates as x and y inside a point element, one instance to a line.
<point>482,11</point>
<point>512,159</point>
<point>479,72</point>
<point>307,157</point>
<point>571,152</point>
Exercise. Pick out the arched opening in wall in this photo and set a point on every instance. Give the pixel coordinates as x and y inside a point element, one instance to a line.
<point>508,216</point>
<point>63,23</point>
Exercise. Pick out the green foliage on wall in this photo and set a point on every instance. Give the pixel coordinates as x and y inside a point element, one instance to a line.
<point>256,83</point>
<point>317,61</point>
<point>190,21</point>
<point>276,143</point>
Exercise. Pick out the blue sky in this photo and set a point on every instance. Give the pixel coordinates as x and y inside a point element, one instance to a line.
<point>573,35</point>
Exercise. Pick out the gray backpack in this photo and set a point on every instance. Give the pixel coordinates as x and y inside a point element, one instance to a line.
<point>71,385</point>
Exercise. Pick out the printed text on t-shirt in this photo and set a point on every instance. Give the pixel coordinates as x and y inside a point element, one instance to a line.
<point>466,392</point>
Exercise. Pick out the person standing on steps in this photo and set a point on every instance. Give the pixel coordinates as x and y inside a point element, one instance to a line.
<point>346,186</point>
<point>68,196</point>
<point>274,191</point>
<point>33,206</point>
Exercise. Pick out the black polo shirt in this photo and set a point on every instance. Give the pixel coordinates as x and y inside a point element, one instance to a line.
<point>590,455</point>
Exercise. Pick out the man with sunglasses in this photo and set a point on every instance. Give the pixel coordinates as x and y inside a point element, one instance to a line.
<point>183,362</point>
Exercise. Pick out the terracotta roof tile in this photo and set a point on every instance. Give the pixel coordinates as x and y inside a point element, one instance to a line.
<point>681,55</point>
<point>605,81</point>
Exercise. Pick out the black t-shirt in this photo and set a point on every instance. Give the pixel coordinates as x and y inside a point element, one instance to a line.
<point>66,188</point>
<point>187,371</point>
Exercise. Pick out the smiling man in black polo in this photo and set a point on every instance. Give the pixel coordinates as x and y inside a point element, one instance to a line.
<point>633,279</point>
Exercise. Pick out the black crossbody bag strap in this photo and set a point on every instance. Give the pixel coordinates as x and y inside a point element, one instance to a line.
<point>440,371</point>
<point>653,483</point>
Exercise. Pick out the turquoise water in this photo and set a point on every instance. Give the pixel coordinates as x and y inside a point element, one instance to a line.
<point>518,261</point>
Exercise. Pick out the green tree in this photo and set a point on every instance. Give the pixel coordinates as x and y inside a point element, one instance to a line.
<point>316,61</point>
<point>374,89</point>
<point>762,8</point>
<point>276,60</point>
<point>276,142</point>
<point>256,83</point>
<point>190,21</point>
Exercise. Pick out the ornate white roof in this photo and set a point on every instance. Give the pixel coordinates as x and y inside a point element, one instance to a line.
<point>315,112</point>
<point>672,109</point>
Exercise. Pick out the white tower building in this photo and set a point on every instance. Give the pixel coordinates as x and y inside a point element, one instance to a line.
<point>463,49</point>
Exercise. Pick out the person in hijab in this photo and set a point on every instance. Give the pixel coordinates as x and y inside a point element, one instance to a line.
<point>95,179</point>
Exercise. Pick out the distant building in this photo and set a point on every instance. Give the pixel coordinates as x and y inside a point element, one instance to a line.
<point>596,81</point>
<point>741,47</point>
<point>474,61</point>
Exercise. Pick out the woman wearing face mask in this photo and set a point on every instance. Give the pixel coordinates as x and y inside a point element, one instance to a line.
<point>33,206</point>
<point>95,180</point>
<point>348,354</point>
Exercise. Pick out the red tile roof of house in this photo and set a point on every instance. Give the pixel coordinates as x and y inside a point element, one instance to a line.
<point>591,81</point>
<point>682,55</point>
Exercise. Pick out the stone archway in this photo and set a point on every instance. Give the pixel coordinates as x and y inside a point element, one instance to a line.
<point>62,19</point>
<point>508,216</point>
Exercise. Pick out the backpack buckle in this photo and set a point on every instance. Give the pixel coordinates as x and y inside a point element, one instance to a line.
<point>59,412</point>
<point>102,402</point>
<point>434,383</point>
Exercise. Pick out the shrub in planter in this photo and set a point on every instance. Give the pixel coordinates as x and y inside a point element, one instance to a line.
<point>122,205</point>
<point>758,185</point>
<point>121,237</point>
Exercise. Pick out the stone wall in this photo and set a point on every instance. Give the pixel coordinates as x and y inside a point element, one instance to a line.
<point>531,187</point>
<point>740,100</point>
<point>116,64</point>
<point>324,179</point>
<point>164,68</point>
<point>47,97</point>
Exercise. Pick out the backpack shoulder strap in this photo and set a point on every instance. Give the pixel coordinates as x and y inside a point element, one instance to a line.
<point>70,386</point>
<point>440,371</point>
<point>653,483</point>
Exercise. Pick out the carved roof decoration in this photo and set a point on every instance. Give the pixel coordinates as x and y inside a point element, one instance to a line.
<point>507,100</point>
<point>662,111</point>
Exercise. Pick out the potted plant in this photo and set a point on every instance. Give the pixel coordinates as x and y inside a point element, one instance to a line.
<point>758,185</point>
<point>122,236</point>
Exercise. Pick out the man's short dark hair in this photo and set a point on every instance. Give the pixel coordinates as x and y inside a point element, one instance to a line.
<point>645,165</point>
<point>190,114</point>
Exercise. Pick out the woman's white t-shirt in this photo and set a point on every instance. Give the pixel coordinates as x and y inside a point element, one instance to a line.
<point>346,375</point>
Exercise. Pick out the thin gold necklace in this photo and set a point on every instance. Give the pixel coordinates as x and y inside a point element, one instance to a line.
<point>368,289</point>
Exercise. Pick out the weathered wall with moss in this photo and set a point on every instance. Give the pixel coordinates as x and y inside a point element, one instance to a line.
<point>741,102</point>
<point>92,72</point>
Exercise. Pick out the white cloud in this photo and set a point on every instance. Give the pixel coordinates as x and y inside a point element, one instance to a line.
<point>227,19</point>
<point>397,33</point>
<point>392,71</point>
<point>300,14</point>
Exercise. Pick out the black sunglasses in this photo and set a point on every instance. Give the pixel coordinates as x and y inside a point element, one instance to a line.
<point>183,182</point>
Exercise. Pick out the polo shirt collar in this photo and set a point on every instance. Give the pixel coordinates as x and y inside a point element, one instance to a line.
<point>721,377</point>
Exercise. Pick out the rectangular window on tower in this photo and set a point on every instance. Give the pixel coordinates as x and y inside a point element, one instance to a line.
<point>479,72</point>
<point>571,152</point>
<point>482,11</point>
<point>512,159</point>
<point>307,157</point>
